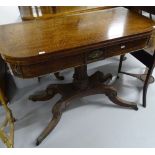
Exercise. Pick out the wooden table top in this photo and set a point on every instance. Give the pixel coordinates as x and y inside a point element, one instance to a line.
<point>40,37</point>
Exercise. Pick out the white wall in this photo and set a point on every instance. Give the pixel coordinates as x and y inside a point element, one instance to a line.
<point>9,14</point>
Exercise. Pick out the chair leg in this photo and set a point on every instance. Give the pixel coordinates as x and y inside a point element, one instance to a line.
<point>7,139</point>
<point>150,16</point>
<point>146,83</point>
<point>120,64</point>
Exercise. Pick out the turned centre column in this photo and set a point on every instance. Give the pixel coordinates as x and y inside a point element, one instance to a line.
<point>80,77</point>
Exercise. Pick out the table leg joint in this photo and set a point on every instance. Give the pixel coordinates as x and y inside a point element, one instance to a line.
<point>82,85</point>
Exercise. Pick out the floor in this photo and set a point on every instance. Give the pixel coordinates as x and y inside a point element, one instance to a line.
<point>89,122</point>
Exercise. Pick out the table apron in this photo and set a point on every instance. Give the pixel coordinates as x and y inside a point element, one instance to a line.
<point>59,63</point>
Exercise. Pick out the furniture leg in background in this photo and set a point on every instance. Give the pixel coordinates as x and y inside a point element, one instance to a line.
<point>149,61</point>
<point>82,85</point>
<point>144,10</point>
<point>3,70</point>
<point>7,139</point>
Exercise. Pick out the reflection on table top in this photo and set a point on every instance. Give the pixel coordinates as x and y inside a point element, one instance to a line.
<point>32,38</point>
<point>43,12</point>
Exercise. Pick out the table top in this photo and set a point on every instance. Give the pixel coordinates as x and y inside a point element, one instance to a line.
<point>40,37</point>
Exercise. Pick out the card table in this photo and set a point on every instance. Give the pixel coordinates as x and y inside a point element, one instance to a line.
<point>35,48</point>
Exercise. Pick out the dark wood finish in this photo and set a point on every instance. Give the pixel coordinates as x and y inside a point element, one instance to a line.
<point>26,54</point>
<point>145,88</point>
<point>139,9</point>
<point>82,86</point>
<point>149,61</point>
<point>33,12</point>
<point>44,12</point>
<point>3,77</point>
<point>145,57</point>
<point>73,41</point>
<point>120,64</point>
<point>59,62</point>
<point>150,10</point>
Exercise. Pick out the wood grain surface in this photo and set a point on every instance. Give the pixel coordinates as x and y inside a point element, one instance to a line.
<point>35,38</point>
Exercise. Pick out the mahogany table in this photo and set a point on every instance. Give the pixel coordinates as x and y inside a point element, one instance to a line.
<point>45,12</point>
<point>36,48</point>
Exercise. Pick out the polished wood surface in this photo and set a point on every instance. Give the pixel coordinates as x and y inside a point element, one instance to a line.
<point>45,12</point>
<point>38,38</point>
<point>40,47</point>
<point>29,46</point>
<point>56,63</point>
